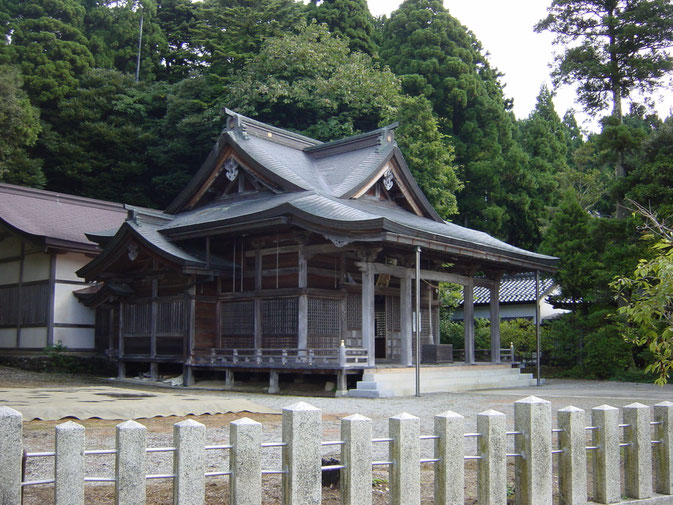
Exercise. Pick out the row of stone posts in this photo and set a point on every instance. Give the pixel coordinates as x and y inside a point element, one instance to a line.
<point>302,448</point>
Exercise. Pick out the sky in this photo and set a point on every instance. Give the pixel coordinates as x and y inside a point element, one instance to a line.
<point>505,30</point>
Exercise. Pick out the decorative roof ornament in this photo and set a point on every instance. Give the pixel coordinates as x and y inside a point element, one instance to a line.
<point>133,251</point>
<point>388,180</point>
<point>231,166</point>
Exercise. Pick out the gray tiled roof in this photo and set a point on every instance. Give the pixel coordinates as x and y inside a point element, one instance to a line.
<point>518,288</point>
<point>364,214</point>
<point>58,219</point>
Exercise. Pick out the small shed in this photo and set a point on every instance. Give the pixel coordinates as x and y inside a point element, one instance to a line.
<point>42,245</point>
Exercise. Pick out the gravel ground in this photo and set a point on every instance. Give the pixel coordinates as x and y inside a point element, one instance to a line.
<point>39,435</point>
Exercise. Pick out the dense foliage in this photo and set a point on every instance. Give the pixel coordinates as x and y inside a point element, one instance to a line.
<point>122,100</point>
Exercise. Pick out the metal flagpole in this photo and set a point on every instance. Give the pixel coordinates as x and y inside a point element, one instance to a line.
<point>418,321</point>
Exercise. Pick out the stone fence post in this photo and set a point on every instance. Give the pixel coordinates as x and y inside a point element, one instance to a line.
<point>492,467</point>
<point>663,433</point>
<point>356,456</point>
<point>573,457</point>
<point>130,468</point>
<point>533,468</point>
<point>189,465</point>
<point>607,481</point>
<point>11,453</point>
<point>302,434</point>
<point>450,451</point>
<point>638,454</point>
<point>245,463</point>
<point>405,455</point>
<point>69,464</point>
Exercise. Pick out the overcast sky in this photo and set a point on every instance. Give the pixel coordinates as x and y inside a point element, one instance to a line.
<point>505,30</point>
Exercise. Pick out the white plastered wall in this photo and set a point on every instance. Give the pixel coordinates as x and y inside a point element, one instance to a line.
<point>36,266</point>
<point>7,337</point>
<point>75,338</point>
<point>34,338</point>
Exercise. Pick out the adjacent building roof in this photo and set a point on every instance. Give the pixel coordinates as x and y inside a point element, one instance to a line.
<point>517,288</point>
<point>57,220</point>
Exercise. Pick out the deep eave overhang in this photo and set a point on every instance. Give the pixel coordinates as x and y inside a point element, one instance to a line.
<point>112,251</point>
<point>51,243</point>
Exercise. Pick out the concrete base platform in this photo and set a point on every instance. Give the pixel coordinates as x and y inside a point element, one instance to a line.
<point>384,382</point>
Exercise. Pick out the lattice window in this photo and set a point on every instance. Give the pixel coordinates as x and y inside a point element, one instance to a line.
<point>279,316</point>
<point>170,316</point>
<point>324,326</point>
<point>380,326</point>
<point>323,316</point>
<point>137,317</point>
<point>354,311</point>
<point>393,312</point>
<point>237,318</point>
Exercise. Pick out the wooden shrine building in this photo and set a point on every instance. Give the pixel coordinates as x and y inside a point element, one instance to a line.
<point>286,254</point>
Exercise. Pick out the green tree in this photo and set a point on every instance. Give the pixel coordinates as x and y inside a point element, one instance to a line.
<point>47,44</point>
<point>230,32</point>
<point>542,137</point>
<point>20,126</point>
<point>113,30</point>
<point>612,48</point>
<point>568,237</point>
<point>348,18</point>
<point>312,83</point>
<point>651,180</point>
<point>437,57</point>
<point>177,19</point>
<point>429,154</point>
<point>647,298</point>
<point>99,147</point>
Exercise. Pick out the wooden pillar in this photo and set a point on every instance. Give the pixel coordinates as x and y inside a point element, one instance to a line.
<point>121,367</point>
<point>190,334</point>
<point>258,302</point>
<point>468,321</point>
<point>406,317</point>
<point>368,312</point>
<point>302,307</point>
<point>19,296</point>
<point>51,309</point>
<point>154,314</point>
<point>495,320</point>
<point>431,326</point>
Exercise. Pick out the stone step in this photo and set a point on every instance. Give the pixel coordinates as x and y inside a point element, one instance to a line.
<point>383,383</point>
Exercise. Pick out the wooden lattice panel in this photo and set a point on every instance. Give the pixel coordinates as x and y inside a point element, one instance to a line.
<point>354,311</point>
<point>393,313</point>
<point>279,317</point>
<point>171,317</point>
<point>137,318</point>
<point>237,318</point>
<point>324,326</point>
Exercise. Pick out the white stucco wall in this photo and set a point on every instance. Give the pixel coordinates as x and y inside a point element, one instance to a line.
<point>10,247</point>
<point>7,337</point>
<point>36,267</point>
<point>68,264</point>
<point>75,338</point>
<point>34,337</point>
<point>66,307</point>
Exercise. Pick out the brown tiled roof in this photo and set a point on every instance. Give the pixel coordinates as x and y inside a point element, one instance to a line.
<point>58,220</point>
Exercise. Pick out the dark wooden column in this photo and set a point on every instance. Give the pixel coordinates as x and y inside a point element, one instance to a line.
<point>495,320</point>
<point>302,305</point>
<point>368,308</point>
<point>406,326</point>
<point>468,320</point>
<point>258,302</point>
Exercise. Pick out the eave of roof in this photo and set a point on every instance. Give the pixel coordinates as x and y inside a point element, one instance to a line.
<point>55,220</point>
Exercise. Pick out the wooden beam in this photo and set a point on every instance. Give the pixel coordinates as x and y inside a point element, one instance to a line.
<point>429,275</point>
